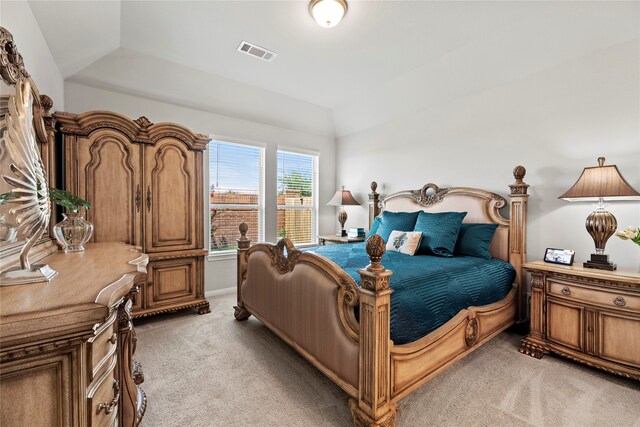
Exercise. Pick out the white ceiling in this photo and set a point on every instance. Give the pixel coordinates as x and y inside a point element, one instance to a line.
<point>376,43</point>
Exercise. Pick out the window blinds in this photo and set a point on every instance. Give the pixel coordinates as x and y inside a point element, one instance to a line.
<point>236,175</point>
<point>297,210</point>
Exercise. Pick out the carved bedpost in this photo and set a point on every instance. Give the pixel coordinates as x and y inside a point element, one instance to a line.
<point>374,407</point>
<point>518,236</point>
<point>243,246</point>
<point>374,203</point>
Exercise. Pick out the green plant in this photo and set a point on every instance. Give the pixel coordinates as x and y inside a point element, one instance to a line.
<point>68,200</point>
<point>60,197</point>
<point>295,180</point>
<point>5,197</point>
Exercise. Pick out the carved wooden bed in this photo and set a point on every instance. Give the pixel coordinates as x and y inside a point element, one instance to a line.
<point>308,301</point>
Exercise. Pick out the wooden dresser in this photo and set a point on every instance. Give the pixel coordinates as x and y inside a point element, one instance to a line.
<point>145,184</point>
<point>590,316</point>
<point>66,347</point>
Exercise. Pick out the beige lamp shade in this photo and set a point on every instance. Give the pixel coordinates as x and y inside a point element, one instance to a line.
<point>343,198</point>
<point>598,182</point>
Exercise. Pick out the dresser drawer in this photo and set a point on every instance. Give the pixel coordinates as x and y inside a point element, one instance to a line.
<point>102,346</point>
<point>594,296</point>
<point>103,397</point>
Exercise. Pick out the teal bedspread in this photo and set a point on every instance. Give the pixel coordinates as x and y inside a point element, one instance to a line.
<point>428,290</point>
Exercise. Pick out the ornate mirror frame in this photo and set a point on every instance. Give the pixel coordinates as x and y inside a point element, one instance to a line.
<point>12,70</point>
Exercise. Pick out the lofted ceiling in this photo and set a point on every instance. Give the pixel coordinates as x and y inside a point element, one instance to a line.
<point>376,43</point>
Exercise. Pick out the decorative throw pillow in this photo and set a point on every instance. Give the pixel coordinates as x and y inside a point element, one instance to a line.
<point>475,239</point>
<point>439,232</point>
<point>405,242</point>
<point>374,227</point>
<point>401,221</point>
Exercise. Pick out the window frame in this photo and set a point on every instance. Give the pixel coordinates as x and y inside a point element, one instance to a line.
<point>260,207</point>
<point>315,156</point>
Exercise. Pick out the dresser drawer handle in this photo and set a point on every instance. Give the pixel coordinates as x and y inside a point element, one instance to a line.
<point>619,301</point>
<point>566,291</point>
<point>109,406</point>
<point>114,338</point>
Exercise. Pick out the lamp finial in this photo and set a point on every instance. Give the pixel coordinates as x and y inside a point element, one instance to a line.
<point>600,161</point>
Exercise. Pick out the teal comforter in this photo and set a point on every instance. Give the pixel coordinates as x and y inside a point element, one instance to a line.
<point>428,290</point>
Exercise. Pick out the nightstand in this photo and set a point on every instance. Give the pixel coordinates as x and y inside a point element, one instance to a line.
<point>589,316</point>
<point>338,240</point>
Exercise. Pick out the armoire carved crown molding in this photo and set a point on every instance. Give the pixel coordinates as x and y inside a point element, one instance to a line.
<point>141,130</point>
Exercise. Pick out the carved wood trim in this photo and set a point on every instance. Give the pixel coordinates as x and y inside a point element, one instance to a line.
<point>452,338</point>
<point>145,313</point>
<point>347,295</point>
<point>12,67</point>
<point>140,130</point>
<point>493,201</point>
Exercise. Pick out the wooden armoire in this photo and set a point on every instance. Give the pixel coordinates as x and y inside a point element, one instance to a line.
<point>145,184</point>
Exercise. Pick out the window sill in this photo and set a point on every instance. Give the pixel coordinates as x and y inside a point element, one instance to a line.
<point>222,255</point>
<point>306,245</point>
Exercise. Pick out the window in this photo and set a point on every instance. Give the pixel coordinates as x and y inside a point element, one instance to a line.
<point>235,192</point>
<point>297,196</point>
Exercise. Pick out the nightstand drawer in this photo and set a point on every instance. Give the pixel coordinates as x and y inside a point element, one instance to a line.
<point>591,295</point>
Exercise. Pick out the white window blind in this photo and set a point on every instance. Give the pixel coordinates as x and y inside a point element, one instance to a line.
<point>297,196</point>
<point>236,175</point>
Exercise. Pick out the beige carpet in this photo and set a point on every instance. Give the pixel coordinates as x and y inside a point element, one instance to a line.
<point>213,371</point>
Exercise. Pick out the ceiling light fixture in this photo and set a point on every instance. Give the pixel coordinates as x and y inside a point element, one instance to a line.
<point>328,13</point>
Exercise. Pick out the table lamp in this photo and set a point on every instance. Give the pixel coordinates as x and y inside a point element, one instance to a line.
<point>342,198</point>
<point>600,183</point>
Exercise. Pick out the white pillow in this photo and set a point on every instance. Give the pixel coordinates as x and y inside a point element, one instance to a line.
<point>405,242</point>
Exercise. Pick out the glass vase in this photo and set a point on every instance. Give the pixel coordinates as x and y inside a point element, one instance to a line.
<point>73,232</point>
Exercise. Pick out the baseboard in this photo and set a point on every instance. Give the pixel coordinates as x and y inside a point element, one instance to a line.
<point>218,292</point>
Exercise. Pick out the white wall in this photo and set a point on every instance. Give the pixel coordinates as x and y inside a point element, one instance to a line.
<point>18,19</point>
<point>221,274</point>
<point>554,122</point>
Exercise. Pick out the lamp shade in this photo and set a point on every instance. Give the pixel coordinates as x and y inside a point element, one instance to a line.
<point>598,182</point>
<point>343,198</point>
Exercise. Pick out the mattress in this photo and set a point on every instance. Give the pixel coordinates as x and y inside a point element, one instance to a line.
<point>428,290</point>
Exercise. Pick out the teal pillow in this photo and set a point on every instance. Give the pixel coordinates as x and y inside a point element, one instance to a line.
<point>475,239</point>
<point>401,221</point>
<point>374,227</point>
<point>439,232</point>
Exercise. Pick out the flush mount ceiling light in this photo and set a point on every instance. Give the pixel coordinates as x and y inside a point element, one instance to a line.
<point>328,13</point>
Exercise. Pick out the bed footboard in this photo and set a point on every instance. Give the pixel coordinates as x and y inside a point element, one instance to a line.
<point>306,300</point>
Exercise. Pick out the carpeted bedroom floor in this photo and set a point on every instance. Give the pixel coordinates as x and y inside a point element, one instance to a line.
<point>211,370</point>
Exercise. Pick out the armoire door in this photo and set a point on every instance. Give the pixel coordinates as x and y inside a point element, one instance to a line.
<point>110,178</point>
<point>171,194</point>
<point>171,282</point>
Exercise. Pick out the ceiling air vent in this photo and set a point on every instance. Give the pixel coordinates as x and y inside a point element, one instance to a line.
<point>256,51</point>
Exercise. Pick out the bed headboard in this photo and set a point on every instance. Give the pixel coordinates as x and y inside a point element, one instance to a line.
<point>482,206</point>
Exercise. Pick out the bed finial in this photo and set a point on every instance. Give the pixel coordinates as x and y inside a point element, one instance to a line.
<point>519,187</point>
<point>375,249</point>
<point>374,186</point>
<point>243,242</point>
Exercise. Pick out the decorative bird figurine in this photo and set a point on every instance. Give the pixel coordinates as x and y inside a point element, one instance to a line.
<point>29,183</point>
